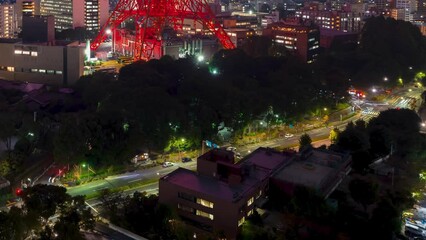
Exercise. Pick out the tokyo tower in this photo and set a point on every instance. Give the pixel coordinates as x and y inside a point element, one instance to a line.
<point>151,17</point>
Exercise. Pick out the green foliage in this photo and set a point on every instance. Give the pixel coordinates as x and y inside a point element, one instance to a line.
<point>305,141</point>
<point>363,191</point>
<point>334,135</point>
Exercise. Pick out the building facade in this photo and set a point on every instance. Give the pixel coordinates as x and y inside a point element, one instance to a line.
<point>26,8</point>
<point>49,63</point>
<point>221,194</point>
<point>338,20</point>
<point>70,14</point>
<point>302,40</point>
<point>8,23</point>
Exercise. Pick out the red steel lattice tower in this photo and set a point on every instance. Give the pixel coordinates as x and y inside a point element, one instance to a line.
<point>151,16</point>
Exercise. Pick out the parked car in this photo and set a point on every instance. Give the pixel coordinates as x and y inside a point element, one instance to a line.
<point>186,159</point>
<point>168,164</point>
<point>288,135</point>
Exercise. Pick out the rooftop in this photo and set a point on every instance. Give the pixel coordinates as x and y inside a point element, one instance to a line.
<point>313,168</point>
<point>256,167</point>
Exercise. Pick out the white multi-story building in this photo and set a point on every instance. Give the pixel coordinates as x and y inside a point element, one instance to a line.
<point>56,63</point>
<point>7,21</point>
<point>91,14</point>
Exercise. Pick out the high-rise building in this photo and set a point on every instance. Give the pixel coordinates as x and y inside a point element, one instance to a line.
<point>7,21</point>
<point>76,13</point>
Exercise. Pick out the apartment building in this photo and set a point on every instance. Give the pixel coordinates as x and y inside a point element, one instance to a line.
<point>8,23</point>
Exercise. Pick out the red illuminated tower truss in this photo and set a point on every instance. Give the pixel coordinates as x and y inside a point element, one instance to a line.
<point>151,16</point>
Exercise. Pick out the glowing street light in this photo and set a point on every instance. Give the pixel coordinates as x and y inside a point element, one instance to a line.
<point>108,31</point>
<point>385,79</point>
<point>200,58</point>
<point>374,90</point>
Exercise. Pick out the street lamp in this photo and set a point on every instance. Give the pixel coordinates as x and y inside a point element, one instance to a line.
<point>200,58</point>
<point>385,79</point>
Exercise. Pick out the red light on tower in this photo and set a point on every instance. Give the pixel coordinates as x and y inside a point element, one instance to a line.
<point>150,18</point>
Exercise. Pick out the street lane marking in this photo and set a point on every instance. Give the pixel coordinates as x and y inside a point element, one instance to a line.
<point>135,180</point>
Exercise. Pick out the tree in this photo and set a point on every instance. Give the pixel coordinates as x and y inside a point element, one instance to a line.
<point>363,191</point>
<point>305,141</point>
<point>44,200</point>
<point>360,160</point>
<point>334,135</point>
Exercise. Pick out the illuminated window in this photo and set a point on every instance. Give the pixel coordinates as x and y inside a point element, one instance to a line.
<point>204,214</point>
<point>26,52</point>
<point>250,201</point>
<point>10,69</point>
<point>17,51</point>
<point>205,203</point>
<point>241,221</point>
<point>50,72</point>
<point>59,72</point>
<point>42,71</point>
<point>250,213</point>
<point>34,54</point>
<point>34,70</point>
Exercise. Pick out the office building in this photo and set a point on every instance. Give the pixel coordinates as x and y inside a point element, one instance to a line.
<point>339,20</point>
<point>302,40</point>
<point>91,14</point>
<point>56,63</point>
<point>221,194</point>
<point>38,29</point>
<point>8,22</point>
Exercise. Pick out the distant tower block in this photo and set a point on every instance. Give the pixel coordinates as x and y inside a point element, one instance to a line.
<point>151,16</point>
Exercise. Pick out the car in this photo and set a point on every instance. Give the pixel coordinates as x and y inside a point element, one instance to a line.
<point>168,164</point>
<point>186,159</point>
<point>288,135</point>
<point>237,155</point>
<point>232,149</point>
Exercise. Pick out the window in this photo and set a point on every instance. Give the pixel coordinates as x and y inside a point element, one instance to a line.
<point>18,51</point>
<point>205,203</point>
<point>10,69</point>
<point>26,52</point>
<point>204,214</point>
<point>42,71</point>
<point>241,221</point>
<point>185,208</point>
<point>34,54</point>
<point>186,196</point>
<point>250,201</point>
<point>59,72</point>
<point>250,213</point>
<point>34,70</point>
<point>50,72</point>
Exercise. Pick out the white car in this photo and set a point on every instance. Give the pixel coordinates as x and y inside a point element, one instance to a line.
<point>168,164</point>
<point>288,135</point>
<point>232,149</point>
